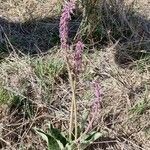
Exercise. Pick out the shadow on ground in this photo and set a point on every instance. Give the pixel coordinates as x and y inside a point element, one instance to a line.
<point>127,28</point>
<point>134,44</point>
<point>32,37</point>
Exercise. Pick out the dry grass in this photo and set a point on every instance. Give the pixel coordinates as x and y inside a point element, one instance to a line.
<point>21,11</point>
<point>125,111</point>
<point>35,90</point>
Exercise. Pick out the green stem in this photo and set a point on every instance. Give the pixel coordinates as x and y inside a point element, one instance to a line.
<point>71,120</point>
<point>73,103</point>
<point>75,108</point>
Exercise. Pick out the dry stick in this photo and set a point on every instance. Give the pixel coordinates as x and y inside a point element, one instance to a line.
<point>73,103</point>
<point>7,143</point>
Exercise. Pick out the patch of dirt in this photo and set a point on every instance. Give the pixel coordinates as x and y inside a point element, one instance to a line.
<point>143,7</point>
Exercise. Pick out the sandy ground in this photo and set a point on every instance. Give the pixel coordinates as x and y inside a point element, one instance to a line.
<point>143,7</point>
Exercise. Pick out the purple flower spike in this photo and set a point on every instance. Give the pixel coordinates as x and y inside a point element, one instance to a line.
<point>96,105</point>
<point>78,56</point>
<point>64,23</point>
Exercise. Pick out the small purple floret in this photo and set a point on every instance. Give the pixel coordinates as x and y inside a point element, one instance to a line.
<point>78,56</point>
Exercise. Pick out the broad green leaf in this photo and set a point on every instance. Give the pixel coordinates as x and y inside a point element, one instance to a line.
<point>57,135</point>
<point>51,142</point>
<point>93,136</point>
<point>89,139</point>
<point>71,146</point>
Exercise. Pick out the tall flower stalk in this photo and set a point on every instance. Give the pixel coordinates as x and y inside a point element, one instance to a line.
<point>63,30</point>
<point>77,66</point>
<point>74,68</point>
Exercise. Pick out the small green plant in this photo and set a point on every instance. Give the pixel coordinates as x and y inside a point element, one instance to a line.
<point>56,140</point>
<point>4,96</point>
<point>50,67</point>
<point>141,107</point>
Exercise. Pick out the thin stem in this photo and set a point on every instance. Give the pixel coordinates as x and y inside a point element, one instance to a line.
<point>73,103</point>
<point>75,108</point>
<point>71,120</point>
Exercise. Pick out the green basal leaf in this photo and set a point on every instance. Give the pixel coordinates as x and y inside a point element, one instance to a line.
<point>88,139</point>
<point>71,146</point>
<point>93,136</point>
<point>51,141</point>
<point>57,135</point>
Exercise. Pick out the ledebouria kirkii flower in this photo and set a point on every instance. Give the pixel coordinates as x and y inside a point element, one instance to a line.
<point>78,56</point>
<point>64,23</point>
<point>95,105</point>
